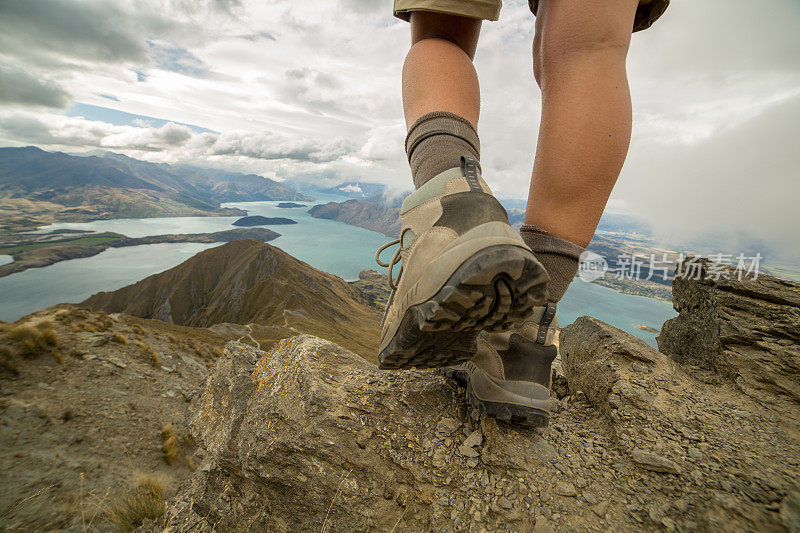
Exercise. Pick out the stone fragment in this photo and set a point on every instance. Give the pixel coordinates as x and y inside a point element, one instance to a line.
<point>564,488</point>
<point>446,426</point>
<point>653,462</point>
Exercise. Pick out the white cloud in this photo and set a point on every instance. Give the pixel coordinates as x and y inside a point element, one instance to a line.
<point>354,189</point>
<point>174,142</point>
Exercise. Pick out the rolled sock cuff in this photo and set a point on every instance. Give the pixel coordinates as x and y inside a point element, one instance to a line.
<point>540,240</point>
<point>559,257</point>
<point>441,123</point>
<point>435,143</point>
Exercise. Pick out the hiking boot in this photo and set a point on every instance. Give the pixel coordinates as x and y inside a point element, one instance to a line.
<point>464,269</point>
<point>509,377</point>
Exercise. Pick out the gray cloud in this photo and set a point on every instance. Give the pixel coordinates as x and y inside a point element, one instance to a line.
<point>257,36</point>
<point>737,183</point>
<point>19,86</point>
<point>75,131</point>
<point>27,128</point>
<point>232,8</point>
<point>168,136</point>
<point>90,30</point>
<point>315,91</point>
<point>361,6</point>
<point>269,145</point>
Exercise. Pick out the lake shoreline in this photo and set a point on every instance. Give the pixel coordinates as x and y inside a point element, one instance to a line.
<point>52,252</point>
<point>327,245</point>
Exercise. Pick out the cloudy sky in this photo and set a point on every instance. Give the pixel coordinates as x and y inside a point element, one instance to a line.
<point>311,91</point>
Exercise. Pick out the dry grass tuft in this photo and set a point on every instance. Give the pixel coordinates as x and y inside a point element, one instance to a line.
<point>144,500</point>
<point>7,362</point>
<point>170,449</point>
<point>95,324</point>
<point>149,354</point>
<point>91,327</point>
<point>119,338</point>
<point>63,316</point>
<point>32,341</point>
<point>174,447</point>
<point>139,330</point>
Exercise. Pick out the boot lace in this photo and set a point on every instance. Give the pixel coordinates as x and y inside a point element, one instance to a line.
<point>393,281</point>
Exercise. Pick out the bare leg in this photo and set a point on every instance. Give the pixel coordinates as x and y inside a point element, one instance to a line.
<point>438,74</point>
<point>579,55</point>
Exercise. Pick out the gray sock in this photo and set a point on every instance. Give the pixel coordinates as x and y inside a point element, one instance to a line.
<point>559,257</point>
<point>436,142</point>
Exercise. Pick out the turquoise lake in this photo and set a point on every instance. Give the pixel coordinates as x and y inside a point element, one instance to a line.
<point>328,245</point>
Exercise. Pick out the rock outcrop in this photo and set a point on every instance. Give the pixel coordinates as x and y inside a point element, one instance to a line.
<point>311,437</point>
<point>746,331</point>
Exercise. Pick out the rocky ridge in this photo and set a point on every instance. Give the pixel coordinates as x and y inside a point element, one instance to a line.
<point>309,436</point>
<point>306,435</point>
<point>86,413</point>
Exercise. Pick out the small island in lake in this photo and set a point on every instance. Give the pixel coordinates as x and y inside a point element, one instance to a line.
<point>289,205</point>
<point>258,220</point>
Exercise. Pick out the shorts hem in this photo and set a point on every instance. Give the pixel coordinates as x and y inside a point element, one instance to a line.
<point>484,10</point>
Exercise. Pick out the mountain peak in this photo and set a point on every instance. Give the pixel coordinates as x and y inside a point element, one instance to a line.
<point>247,281</point>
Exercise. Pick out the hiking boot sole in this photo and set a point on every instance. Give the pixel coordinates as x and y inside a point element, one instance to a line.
<point>502,406</point>
<point>492,290</point>
<point>509,412</point>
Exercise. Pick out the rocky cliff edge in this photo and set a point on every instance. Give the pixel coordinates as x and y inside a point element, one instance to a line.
<point>309,436</point>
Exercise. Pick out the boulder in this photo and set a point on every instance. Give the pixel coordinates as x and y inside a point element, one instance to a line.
<point>746,330</point>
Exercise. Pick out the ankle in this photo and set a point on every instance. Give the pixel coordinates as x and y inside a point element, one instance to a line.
<point>559,257</point>
<point>436,142</point>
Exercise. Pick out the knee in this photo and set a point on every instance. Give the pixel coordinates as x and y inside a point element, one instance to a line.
<point>553,52</point>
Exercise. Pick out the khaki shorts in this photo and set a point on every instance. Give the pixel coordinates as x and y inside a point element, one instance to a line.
<point>649,10</point>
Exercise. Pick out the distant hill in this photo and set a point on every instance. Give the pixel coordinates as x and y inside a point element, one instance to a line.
<point>367,215</point>
<point>39,187</point>
<point>38,250</point>
<point>247,281</point>
<point>236,187</point>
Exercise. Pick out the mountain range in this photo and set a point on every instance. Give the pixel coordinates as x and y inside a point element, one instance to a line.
<point>39,187</point>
